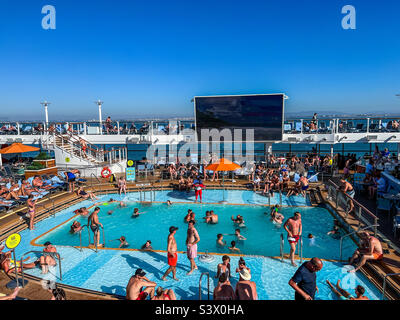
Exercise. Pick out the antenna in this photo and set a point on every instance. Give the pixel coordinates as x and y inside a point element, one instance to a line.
<point>45,104</point>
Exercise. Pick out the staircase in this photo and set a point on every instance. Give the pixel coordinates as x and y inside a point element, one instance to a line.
<point>70,154</point>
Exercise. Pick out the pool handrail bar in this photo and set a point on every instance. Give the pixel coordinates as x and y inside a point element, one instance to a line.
<point>104,239</point>
<point>349,234</point>
<point>301,249</point>
<point>41,252</point>
<point>208,284</point>
<point>282,247</point>
<point>80,235</point>
<point>384,283</point>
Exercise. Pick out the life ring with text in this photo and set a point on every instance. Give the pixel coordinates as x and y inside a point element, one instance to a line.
<point>106,172</point>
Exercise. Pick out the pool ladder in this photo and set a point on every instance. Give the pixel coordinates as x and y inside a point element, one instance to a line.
<point>208,285</point>
<point>53,254</point>
<point>142,192</point>
<point>80,237</point>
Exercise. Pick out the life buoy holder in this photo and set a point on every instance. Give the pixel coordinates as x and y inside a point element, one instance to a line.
<point>106,172</point>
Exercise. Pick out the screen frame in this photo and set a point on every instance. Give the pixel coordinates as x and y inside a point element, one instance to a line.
<point>241,95</point>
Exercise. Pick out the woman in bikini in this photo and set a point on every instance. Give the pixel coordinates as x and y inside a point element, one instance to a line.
<point>224,267</point>
<point>31,211</point>
<point>164,294</point>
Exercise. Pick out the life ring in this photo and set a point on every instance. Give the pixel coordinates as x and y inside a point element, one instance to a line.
<point>106,172</point>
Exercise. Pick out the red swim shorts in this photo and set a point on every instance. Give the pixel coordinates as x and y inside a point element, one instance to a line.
<point>142,296</point>
<point>293,239</point>
<point>172,259</point>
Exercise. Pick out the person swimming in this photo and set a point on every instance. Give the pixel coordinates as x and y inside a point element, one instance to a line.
<point>311,240</point>
<point>233,247</point>
<point>276,217</point>
<point>169,202</point>
<point>75,227</point>
<point>238,220</point>
<point>220,241</point>
<point>238,235</point>
<point>136,213</point>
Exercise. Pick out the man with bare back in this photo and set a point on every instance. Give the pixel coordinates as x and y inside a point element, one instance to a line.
<point>172,254</point>
<point>191,243</point>
<point>94,224</point>
<point>134,289</point>
<point>374,251</point>
<point>294,228</point>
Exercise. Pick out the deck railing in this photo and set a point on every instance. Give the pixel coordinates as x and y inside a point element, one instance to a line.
<point>361,213</point>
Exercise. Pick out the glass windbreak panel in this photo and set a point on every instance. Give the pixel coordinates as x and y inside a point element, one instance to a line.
<point>352,125</point>
<point>93,128</point>
<point>8,128</point>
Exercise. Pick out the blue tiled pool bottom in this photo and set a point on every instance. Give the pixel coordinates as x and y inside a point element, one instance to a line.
<point>109,271</point>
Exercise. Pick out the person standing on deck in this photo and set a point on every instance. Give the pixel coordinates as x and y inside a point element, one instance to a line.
<point>294,228</point>
<point>31,211</point>
<point>304,281</point>
<point>191,243</point>
<point>94,224</point>
<point>172,254</point>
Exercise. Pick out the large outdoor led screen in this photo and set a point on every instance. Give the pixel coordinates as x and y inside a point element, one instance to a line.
<point>263,113</point>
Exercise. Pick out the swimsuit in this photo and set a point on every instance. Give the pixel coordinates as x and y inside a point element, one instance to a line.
<point>172,259</point>
<point>94,228</point>
<point>192,251</point>
<point>304,187</point>
<point>293,239</point>
<point>351,193</point>
<point>142,295</point>
<point>377,256</point>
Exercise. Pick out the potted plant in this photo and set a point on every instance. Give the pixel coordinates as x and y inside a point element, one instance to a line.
<point>45,159</point>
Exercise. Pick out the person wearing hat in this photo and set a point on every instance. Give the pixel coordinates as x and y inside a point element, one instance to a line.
<point>172,254</point>
<point>139,287</point>
<point>304,281</point>
<point>47,258</point>
<point>245,289</point>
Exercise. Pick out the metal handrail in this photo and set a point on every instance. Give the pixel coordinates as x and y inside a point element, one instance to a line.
<point>80,235</point>
<point>349,234</point>
<point>41,252</point>
<point>208,285</point>
<point>301,249</point>
<point>384,283</point>
<point>104,239</point>
<point>282,246</point>
<point>280,198</point>
<point>91,181</point>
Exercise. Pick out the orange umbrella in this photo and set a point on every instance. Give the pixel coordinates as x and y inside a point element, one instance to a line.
<point>223,165</point>
<point>18,148</point>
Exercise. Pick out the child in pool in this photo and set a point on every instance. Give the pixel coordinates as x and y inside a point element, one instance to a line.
<point>220,242</point>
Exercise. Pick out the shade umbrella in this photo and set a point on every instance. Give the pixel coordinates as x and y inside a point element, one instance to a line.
<point>223,165</point>
<point>17,147</point>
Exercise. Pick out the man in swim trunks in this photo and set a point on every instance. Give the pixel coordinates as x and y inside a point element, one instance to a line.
<point>347,188</point>
<point>304,185</point>
<point>134,289</point>
<point>94,224</point>
<point>172,254</point>
<point>293,227</point>
<point>374,252</point>
<point>191,243</point>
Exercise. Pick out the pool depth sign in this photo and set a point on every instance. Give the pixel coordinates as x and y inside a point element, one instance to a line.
<point>130,171</point>
<point>13,241</point>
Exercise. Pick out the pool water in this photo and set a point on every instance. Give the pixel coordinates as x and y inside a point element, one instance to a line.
<point>109,270</point>
<point>263,237</point>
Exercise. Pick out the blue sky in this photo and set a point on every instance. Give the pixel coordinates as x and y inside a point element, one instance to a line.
<point>151,57</point>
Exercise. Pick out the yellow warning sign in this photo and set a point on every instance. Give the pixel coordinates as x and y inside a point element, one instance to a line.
<point>130,163</point>
<point>13,241</point>
<point>67,159</point>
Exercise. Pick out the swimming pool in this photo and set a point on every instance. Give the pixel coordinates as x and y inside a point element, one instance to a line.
<point>109,270</point>
<point>263,237</point>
